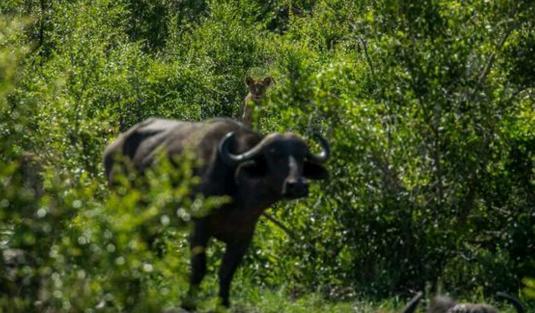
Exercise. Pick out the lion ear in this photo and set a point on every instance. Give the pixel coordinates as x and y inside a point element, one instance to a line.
<point>268,81</point>
<point>249,81</point>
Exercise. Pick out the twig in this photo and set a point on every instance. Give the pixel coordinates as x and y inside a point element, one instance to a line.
<point>279,224</point>
<point>490,61</point>
<point>368,59</point>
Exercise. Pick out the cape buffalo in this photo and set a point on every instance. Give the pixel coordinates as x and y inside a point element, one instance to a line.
<point>254,170</point>
<point>444,304</point>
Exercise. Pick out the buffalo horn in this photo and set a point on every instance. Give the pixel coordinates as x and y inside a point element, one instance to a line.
<point>235,159</point>
<point>325,150</point>
<point>514,301</point>
<point>411,306</point>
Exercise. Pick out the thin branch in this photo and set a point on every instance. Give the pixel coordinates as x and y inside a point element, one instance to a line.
<point>366,54</point>
<point>490,61</point>
<point>279,224</point>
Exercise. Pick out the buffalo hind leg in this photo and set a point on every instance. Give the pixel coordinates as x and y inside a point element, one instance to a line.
<point>233,255</point>
<point>198,242</point>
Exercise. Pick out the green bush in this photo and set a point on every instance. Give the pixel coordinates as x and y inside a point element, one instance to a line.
<point>428,107</point>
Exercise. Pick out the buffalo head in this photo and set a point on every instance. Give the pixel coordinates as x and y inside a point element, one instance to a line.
<point>283,162</point>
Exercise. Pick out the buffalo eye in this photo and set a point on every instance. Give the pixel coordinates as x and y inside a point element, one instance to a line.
<point>276,154</point>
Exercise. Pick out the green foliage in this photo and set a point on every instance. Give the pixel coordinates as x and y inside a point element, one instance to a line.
<point>529,290</point>
<point>428,107</point>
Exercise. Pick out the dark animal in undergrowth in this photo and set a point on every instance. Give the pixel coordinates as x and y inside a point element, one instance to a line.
<point>254,170</point>
<point>444,304</point>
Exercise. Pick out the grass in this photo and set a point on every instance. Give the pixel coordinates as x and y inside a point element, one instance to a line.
<point>249,299</point>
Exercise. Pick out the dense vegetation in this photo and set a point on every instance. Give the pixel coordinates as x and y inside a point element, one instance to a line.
<point>428,105</point>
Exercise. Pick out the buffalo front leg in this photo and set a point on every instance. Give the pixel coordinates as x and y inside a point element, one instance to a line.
<point>198,242</point>
<point>233,255</point>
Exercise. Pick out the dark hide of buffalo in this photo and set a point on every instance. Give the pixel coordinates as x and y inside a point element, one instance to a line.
<point>444,304</point>
<point>254,170</point>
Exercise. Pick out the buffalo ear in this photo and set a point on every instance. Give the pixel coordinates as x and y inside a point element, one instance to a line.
<point>249,81</point>
<point>314,171</point>
<point>252,169</point>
